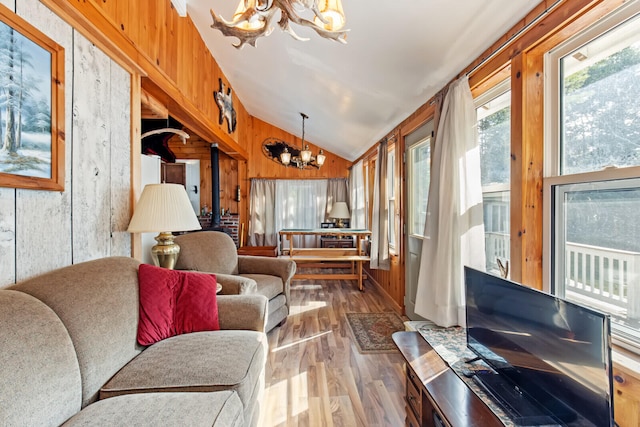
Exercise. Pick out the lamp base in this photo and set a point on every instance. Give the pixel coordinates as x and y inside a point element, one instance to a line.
<point>339,223</point>
<point>165,253</point>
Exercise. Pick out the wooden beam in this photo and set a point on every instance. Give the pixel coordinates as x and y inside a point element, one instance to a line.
<point>151,107</point>
<point>527,160</point>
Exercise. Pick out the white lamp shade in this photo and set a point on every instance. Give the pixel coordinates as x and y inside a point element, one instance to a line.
<point>320,158</point>
<point>163,208</point>
<point>340,210</point>
<point>331,11</point>
<point>285,157</point>
<point>305,154</point>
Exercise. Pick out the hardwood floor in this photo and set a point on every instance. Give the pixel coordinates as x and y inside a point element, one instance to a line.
<point>315,375</point>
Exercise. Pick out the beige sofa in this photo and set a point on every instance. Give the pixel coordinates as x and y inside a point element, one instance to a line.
<point>215,252</point>
<point>69,356</point>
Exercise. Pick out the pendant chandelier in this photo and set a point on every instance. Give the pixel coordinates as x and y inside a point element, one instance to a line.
<point>306,157</point>
<point>253,19</point>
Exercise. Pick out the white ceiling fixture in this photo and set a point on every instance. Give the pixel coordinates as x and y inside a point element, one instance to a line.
<point>180,6</point>
<point>253,19</point>
<point>400,53</point>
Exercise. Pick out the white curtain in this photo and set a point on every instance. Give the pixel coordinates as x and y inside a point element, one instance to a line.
<point>454,227</point>
<point>380,221</point>
<point>262,226</point>
<point>300,204</point>
<point>357,196</point>
<point>337,191</point>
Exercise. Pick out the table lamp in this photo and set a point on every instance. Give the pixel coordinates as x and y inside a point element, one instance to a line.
<point>164,208</point>
<point>340,211</point>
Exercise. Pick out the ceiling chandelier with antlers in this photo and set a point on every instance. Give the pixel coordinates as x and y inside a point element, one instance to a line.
<point>253,19</point>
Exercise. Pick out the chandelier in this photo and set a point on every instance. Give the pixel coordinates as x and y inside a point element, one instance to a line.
<point>253,19</point>
<point>305,158</point>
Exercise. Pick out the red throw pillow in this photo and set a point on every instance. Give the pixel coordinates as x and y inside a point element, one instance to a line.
<point>175,302</point>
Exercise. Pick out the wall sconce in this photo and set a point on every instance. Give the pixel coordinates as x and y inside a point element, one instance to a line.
<point>288,155</point>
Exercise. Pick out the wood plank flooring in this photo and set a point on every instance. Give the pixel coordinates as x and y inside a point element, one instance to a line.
<point>315,375</point>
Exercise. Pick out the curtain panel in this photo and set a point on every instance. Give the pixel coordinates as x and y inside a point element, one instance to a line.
<point>337,191</point>
<point>301,203</point>
<point>454,229</point>
<point>262,225</point>
<point>380,221</point>
<point>357,196</point>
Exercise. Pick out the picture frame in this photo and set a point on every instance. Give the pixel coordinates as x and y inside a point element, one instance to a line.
<point>32,146</point>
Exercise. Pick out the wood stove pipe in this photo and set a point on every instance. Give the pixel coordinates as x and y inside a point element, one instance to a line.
<point>215,185</point>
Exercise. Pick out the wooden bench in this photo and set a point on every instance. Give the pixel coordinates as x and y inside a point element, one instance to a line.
<point>330,258</point>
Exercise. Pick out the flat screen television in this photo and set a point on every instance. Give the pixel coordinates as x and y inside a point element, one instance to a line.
<point>550,359</point>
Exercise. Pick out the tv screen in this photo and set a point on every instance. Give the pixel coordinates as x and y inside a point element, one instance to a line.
<point>552,353</point>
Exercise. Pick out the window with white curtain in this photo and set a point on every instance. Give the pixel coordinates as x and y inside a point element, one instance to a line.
<point>494,140</point>
<point>301,204</point>
<point>592,170</point>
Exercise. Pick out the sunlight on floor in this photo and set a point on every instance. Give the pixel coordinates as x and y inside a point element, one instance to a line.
<point>286,346</point>
<point>313,305</point>
<point>287,398</point>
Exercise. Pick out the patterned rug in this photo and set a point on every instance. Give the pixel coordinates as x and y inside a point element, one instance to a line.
<point>372,331</point>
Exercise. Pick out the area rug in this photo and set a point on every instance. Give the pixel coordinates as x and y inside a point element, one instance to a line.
<point>372,331</point>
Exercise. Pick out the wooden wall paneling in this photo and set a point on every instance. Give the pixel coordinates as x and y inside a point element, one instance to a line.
<point>626,394</point>
<point>120,159</point>
<point>243,206</point>
<point>263,167</point>
<point>91,152</point>
<point>43,236</point>
<point>527,160</point>
<point>135,169</point>
<point>107,32</point>
<point>228,183</point>
<point>169,53</point>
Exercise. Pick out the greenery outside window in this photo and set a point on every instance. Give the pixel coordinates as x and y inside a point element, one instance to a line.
<point>592,171</point>
<point>494,140</point>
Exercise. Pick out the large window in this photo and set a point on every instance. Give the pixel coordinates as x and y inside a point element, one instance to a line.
<point>591,172</point>
<point>391,195</point>
<point>494,140</point>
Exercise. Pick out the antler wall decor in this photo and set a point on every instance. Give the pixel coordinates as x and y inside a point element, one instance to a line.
<point>253,19</point>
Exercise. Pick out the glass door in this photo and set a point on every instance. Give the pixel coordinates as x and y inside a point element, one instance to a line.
<point>418,158</point>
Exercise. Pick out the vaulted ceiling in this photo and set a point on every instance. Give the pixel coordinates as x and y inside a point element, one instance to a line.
<point>398,54</point>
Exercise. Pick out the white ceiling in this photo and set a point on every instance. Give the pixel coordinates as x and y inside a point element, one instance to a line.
<point>398,54</point>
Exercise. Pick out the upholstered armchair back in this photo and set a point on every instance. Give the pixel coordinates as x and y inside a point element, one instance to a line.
<point>207,251</point>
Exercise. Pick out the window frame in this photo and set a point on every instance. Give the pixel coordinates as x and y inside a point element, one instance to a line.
<point>552,178</point>
<point>494,92</point>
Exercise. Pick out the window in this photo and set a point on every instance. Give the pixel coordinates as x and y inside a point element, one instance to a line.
<point>592,173</point>
<point>419,168</point>
<point>391,195</point>
<point>494,140</point>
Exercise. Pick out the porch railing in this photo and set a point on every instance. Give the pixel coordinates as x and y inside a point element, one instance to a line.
<point>609,276</point>
<point>604,278</point>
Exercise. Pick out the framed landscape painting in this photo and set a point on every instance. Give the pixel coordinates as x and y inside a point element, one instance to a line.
<point>31,106</point>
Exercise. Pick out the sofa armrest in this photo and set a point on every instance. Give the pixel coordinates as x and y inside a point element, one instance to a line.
<point>236,285</point>
<point>246,312</point>
<point>282,267</point>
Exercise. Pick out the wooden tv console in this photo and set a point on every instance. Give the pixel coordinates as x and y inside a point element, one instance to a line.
<point>435,395</point>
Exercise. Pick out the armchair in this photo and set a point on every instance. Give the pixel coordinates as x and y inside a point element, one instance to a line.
<point>215,252</point>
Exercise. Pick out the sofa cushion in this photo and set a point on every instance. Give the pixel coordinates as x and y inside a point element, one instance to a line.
<point>40,383</point>
<point>268,285</point>
<point>98,303</point>
<point>222,409</point>
<point>198,362</point>
<point>175,302</point>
